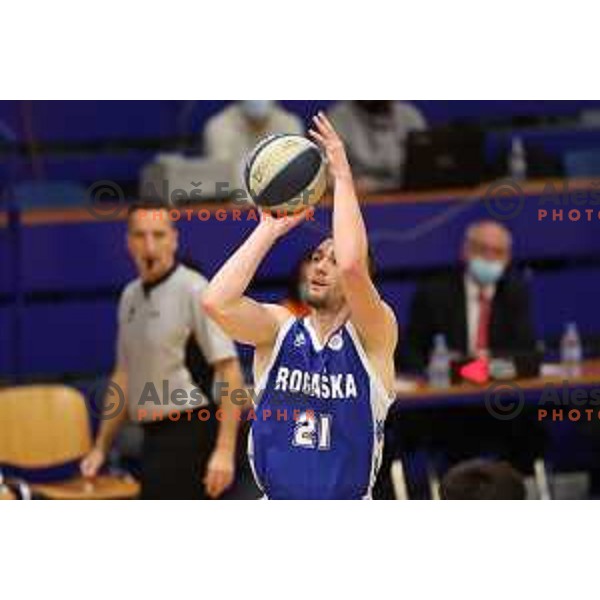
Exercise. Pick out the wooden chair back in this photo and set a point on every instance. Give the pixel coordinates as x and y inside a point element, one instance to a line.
<point>43,426</point>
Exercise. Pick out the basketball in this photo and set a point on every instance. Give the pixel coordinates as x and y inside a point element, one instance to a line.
<point>285,173</point>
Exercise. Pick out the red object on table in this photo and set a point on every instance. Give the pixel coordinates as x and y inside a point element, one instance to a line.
<point>477,371</point>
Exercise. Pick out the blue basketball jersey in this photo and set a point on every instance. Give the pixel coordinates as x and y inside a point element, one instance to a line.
<point>318,432</point>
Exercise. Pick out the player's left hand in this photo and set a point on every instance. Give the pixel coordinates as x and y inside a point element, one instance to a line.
<point>327,137</point>
<point>219,472</point>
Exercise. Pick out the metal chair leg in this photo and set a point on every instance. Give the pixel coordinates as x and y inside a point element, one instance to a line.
<point>541,479</point>
<point>399,480</point>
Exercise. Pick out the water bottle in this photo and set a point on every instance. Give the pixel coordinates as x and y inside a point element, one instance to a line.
<point>571,353</point>
<point>439,364</point>
<point>517,163</point>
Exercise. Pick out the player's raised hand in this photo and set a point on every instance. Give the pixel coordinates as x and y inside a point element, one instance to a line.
<point>327,137</point>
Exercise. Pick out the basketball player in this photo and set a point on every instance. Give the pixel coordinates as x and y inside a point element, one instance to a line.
<point>334,367</point>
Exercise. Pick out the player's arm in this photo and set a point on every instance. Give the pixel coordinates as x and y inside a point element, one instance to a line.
<point>242,318</point>
<point>109,427</point>
<point>373,319</point>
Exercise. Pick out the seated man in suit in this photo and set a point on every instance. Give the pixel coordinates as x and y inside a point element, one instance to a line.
<point>479,308</point>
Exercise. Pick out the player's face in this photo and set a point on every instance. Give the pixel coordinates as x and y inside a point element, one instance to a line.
<point>322,280</point>
<point>152,243</point>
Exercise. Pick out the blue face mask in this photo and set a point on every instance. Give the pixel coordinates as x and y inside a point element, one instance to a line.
<point>257,110</point>
<point>486,272</point>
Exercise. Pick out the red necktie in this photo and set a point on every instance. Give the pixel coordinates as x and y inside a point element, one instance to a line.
<point>483,327</point>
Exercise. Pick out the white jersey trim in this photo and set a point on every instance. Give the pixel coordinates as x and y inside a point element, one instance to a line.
<point>317,345</point>
<point>373,375</point>
<point>380,404</point>
<point>250,452</point>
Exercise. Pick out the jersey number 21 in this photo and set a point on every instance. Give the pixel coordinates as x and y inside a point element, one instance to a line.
<point>313,431</point>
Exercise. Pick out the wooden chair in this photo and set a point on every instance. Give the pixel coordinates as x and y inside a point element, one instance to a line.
<point>15,490</point>
<point>6,493</point>
<point>43,426</point>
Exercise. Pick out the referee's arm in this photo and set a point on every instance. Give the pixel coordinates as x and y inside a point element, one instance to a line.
<point>219,350</point>
<point>221,466</point>
<point>109,428</point>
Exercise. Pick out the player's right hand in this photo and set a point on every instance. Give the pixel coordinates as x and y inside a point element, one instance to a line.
<point>92,463</point>
<point>282,225</point>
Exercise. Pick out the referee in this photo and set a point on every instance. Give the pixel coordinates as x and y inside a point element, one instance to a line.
<point>184,456</point>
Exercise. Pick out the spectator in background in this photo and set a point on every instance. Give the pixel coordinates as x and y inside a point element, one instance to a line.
<point>482,480</point>
<point>375,133</point>
<point>479,308</point>
<point>232,133</point>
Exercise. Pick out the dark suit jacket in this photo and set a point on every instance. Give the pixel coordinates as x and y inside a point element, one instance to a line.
<point>439,306</point>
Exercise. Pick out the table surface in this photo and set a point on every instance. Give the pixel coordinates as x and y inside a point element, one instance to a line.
<point>590,376</point>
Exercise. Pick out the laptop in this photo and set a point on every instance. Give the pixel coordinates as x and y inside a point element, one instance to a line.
<point>444,158</point>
